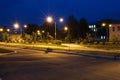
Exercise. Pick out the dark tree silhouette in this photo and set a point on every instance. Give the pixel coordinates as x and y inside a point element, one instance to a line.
<point>31,28</point>
<point>73,25</point>
<point>50,28</point>
<point>83,28</point>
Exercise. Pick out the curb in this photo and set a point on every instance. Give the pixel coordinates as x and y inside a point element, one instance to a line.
<point>90,55</point>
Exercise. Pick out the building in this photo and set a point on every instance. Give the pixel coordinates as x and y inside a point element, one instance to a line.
<point>96,30</point>
<point>114,32</point>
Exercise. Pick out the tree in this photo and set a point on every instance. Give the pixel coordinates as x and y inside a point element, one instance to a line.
<point>73,25</point>
<point>50,28</point>
<point>26,37</point>
<point>83,28</point>
<point>34,37</point>
<point>31,28</point>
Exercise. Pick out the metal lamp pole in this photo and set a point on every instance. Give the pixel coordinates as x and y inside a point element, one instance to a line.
<point>55,31</point>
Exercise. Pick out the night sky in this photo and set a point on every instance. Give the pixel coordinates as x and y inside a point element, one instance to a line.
<point>35,11</point>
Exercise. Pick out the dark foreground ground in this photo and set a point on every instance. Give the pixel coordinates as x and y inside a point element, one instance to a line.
<point>36,65</point>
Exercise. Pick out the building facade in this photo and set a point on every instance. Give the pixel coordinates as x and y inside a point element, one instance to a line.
<point>114,32</point>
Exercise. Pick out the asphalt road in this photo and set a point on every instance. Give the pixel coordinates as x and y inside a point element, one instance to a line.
<point>28,64</point>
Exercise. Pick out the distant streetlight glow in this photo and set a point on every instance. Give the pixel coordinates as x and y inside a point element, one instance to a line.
<point>25,26</point>
<point>110,25</point>
<point>103,24</point>
<point>1,29</point>
<point>38,32</point>
<point>16,25</point>
<point>43,31</point>
<point>66,28</point>
<point>61,20</point>
<point>49,19</point>
<point>8,30</point>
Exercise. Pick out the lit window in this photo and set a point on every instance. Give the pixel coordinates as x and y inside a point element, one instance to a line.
<point>92,26</point>
<point>89,26</point>
<point>103,37</point>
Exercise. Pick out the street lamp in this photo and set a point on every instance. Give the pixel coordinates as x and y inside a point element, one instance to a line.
<point>16,25</point>
<point>66,28</point>
<point>25,26</point>
<point>50,20</point>
<point>61,19</point>
<point>1,29</point>
<point>43,31</point>
<point>38,32</point>
<point>107,29</point>
<point>8,30</point>
<point>68,35</point>
<point>68,31</point>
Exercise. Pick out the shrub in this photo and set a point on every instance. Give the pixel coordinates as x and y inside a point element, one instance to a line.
<point>58,42</point>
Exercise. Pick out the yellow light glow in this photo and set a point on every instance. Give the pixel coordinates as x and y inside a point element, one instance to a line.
<point>16,25</point>
<point>43,31</point>
<point>38,31</point>
<point>25,26</point>
<point>1,29</point>
<point>49,19</point>
<point>103,24</point>
<point>110,25</point>
<point>65,28</point>
<point>61,20</point>
<point>8,30</point>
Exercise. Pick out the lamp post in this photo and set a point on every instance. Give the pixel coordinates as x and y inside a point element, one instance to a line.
<point>107,30</point>
<point>50,20</point>
<point>68,35</point>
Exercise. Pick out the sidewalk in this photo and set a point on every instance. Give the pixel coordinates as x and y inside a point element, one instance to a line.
<point>65,48</point>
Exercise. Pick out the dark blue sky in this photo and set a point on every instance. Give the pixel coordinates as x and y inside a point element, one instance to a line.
<point>35,11</point>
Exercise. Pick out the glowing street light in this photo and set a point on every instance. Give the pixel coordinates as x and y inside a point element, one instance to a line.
<point>8,30</point>
<point>25,26</point>
<point>43,31</point>
<point>16,25</point>
<point>66,28</point>
<point>38,32</point>
<point>50,20</point>
<point>1,29</point>
<point>61,20</point>
<point>103,24</point>
<point>110,25</point>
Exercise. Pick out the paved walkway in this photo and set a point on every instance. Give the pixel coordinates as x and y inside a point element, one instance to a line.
<point>63,46</point>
